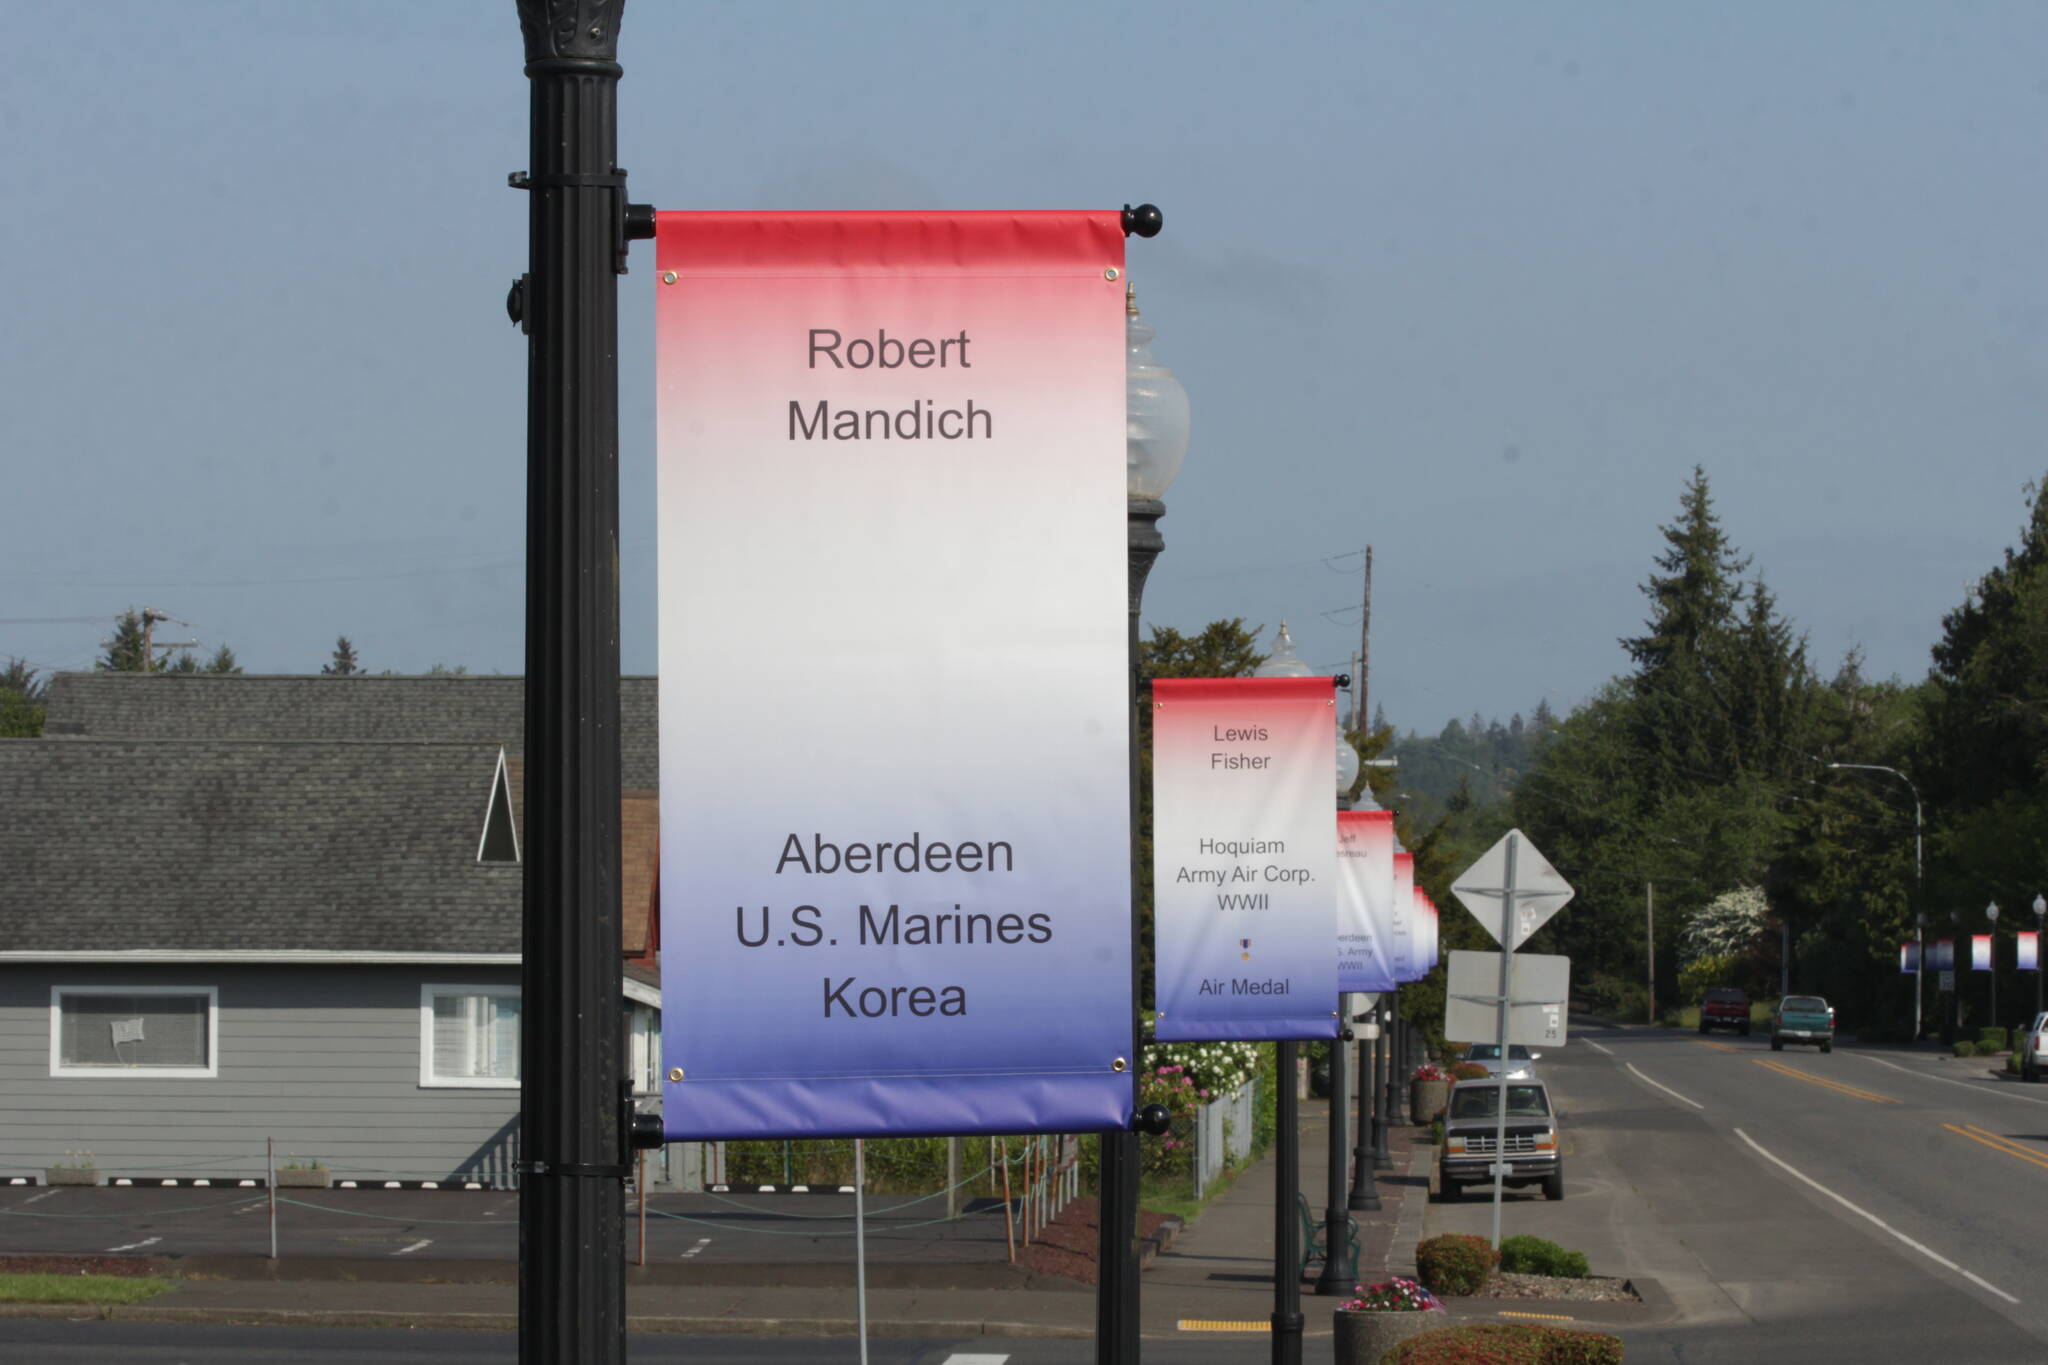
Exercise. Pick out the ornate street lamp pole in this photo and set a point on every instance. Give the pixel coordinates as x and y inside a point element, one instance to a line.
<point>1156,416</point>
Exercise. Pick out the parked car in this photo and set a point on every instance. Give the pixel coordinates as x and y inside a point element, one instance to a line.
<point>1521,1061</point>
<point>1803,1019</point>
<point>1471,1118</point>
<point>2031,1046</point>
<point>1725,1007</point>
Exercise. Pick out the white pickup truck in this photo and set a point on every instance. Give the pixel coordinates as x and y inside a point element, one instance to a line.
<point>2031,1046</point>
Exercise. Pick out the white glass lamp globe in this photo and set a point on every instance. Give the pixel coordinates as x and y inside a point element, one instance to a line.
<point>1155,413</point>
<point>1347,762</point>
<point>1283,662</point>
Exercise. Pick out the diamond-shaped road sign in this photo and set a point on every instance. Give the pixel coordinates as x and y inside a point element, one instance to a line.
<point>1537,890</point>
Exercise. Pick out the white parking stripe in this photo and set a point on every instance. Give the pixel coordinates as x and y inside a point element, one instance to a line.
<point>1663,1087</point>
<point>702,1242</point>
<point>1596,1047</point>
<point>1984,1087</point>
<point>414,1247</point>
<point>145,1242</point>
<point>1931,1255</point>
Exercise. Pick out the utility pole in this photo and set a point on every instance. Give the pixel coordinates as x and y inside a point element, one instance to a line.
<point>573,1123</point>
<point>1650,934</point>
<point>1360,717</point>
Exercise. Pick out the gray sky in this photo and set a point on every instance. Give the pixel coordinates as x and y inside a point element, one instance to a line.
<point>1477,284</point>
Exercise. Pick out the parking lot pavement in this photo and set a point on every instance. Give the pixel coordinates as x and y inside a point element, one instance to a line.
<point>483,1226</point>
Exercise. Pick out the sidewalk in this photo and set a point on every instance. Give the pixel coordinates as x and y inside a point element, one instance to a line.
<point>1216,1275</point>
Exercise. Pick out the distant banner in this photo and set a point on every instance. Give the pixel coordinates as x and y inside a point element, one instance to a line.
<point>1403,951</point>
<point>1425,932</point>
<point>1365,884</point>
<point>1944,954</point>
<point>1980,952</point>
<point>2027,944</point>
<point>1244,858</point>
<point>895,824</point>
<point>1909,957</point>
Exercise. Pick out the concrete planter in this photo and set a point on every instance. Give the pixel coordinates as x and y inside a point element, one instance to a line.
<point>1426,1100</point>
<point>71,1175</point>
<point>303,1177</point>
<point>1362,1338</point>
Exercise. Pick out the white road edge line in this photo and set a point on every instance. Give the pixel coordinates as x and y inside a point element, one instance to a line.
<point>46,1194</point>
<point>1978,1087</point>
<point>1663,1087</point>
<point>1596,1047</point>
<point>1930,1254</point>
<point>145,1242</point>
<point>426,1242</point>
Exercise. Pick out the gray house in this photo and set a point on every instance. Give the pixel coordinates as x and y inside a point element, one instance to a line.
<point>211,939</point>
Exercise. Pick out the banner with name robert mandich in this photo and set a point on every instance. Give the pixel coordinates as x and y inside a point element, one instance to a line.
<point>895,828</point>
<point>1244,858</point>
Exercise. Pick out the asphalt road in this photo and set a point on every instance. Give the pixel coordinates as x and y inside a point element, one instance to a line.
<point>1863,1205</point>
<point>86,1343</point>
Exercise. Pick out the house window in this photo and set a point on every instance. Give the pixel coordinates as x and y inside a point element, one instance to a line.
<point>469,1035</point>
<point>133,1031</point>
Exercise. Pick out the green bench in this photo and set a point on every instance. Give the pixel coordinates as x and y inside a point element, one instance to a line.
<point>1314,1236</point>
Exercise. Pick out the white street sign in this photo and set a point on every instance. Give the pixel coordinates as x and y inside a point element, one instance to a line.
<point>1543,982</point>
<point>1538,889</point>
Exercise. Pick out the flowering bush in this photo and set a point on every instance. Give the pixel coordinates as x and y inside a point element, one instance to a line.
<point>1469,1071</point>
<point>1500,1343</point>
<point>1428,1071</point>
<point>1173,1087</point>
<point>1392,1296</point>
<point>1217,1068</point>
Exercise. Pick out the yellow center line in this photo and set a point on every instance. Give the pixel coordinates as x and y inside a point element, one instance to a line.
<point>1997,1143</point>
<point>1718,1047</point>
<point>1796,1074</point>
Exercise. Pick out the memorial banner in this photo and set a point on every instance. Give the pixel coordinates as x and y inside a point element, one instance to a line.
<point>1403,951</point>
<point>1425,932</point>
<point>1944,954</point>
<point>1980,952</point>
<point>1244,858</point>
<point>2027,950</point>
<point>1365,886</point>
<point>1909,957</point>
<point>895,823</point>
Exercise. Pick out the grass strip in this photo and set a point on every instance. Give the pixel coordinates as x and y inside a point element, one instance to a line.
<point>78,1288</point>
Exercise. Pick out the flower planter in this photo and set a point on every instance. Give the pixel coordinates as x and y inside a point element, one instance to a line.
<point>1362,1338</point>
<point>1426,1100</point>
<point>71,1175</point>
<point>303,1177</point>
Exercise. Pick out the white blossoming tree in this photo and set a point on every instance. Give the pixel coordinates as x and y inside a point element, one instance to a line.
<point>1727,927</point>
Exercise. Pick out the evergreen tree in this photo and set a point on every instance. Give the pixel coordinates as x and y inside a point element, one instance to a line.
<point>344,663</point>
<point>223,661</point>
<point>125,652</point>
<point>22,696</point>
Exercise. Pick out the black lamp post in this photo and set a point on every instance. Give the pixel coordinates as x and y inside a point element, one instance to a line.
<point>1156,414</point>
<point>2040,923</point>
<point>574,1129</point>
<point>1340,1272</point>
<point>1365,1195</point>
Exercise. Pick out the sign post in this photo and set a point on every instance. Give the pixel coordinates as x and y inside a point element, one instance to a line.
<point>1528,891</point>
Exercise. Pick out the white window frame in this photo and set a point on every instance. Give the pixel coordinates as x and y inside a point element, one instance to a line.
<point>428,1078</point>
<point>59,1069</point>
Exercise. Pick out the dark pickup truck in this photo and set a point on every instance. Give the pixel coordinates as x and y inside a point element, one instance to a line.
<point>1725,1007</point>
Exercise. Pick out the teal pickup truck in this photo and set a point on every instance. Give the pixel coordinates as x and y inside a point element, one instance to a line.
<point>1803,1019</point>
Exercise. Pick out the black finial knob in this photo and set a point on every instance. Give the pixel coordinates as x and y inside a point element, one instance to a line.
<point>1155,1119</point>
<point>1143,221</point>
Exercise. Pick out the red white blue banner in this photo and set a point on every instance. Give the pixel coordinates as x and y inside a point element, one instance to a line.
<point>2027,943</point>
<point>1944,955</point>
<point>1365,886</point>
<point>1426,922</point>
<point>1980,952</point>
<point>894,786</point>
<point>1406,964</point>
<point>1909,956</point>
<point>1244,858</point>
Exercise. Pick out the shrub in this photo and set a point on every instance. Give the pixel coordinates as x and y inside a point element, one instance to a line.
<point>1468,1071</point>
<point>1965,1048</point>
<point>1436,1126</point>
<point>1990,1039</point>
<point>1499,1343</point>
<point>1455,1263</point>
<point>2012,1062</point>
<point>1526,1255</point>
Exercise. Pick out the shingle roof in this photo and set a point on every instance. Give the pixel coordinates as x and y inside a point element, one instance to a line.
<point>221,845</point>
<point>438,708</point>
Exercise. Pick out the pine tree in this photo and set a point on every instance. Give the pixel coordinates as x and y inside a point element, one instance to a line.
<point>223,661</point>
<point>22,695</point>
<point>125,652</point>
<point>344,663</point>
